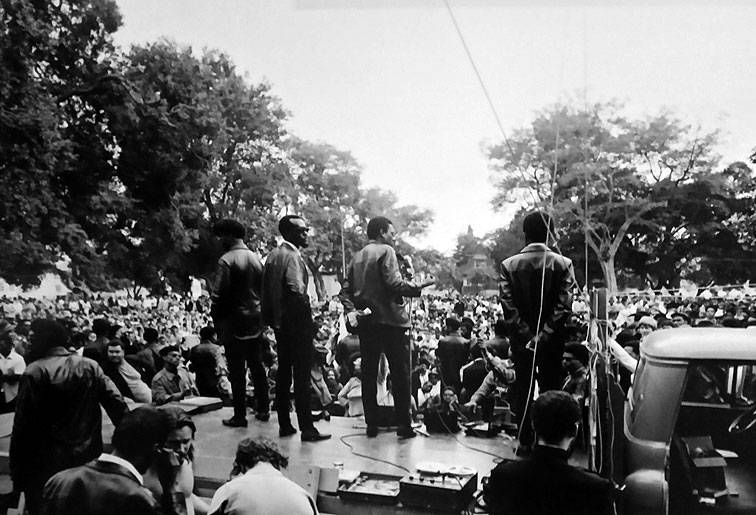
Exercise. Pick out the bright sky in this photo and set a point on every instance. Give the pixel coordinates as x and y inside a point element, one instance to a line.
<point>389,80</point>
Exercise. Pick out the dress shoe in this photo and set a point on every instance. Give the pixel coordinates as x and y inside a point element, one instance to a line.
<point>372,431</point>
<point>286,431</point>
<point>235,422</point>
<point>264,416</point>
<point>312,435</point>
<point>405,432</point>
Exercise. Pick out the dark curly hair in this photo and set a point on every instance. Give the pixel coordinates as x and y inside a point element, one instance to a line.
<point>252,451</point>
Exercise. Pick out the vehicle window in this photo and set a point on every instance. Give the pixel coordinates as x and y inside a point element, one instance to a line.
<point>721,383</point>
<point>655,400</point>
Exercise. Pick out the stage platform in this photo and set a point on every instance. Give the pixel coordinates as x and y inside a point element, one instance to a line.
<point>215,446</point>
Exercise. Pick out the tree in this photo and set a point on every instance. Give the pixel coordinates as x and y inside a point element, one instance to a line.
<point>55,74</point>
<point>606,177</point>
<point>200,144</point>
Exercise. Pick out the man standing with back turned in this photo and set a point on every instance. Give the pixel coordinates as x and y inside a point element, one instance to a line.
<point>286,308</point>
<point>236,315</point>
<point>534,287</point>
<point>374,281</point>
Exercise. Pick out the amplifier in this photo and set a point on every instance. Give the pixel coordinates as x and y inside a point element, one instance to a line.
<point>438,492</point>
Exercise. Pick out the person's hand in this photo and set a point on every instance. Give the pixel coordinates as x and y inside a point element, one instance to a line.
<point>470,405</point>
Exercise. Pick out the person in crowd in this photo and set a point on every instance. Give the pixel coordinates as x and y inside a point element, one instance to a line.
<point>58,422</point>
<point>442,414</point>
<point>350,395</point>
<point>173,383</point>
<point>500,375</point>
<point>474,372</point>
<point>452,352</point>
<point>236,313</point>
<point>97,349</point>
<point>171,480</point>
<point>209,366</point>
<point>12,366</point>
<point>419,376</point>
<point>575,363</point>
<point>286,308</point>
<point>431,388</point>
<point>113,483</point>
<point>535,291</point>
<point>126,378</point>
<point>374,281</point>
<point>258,486</point>
<point>148,360</point>
<point>544,483</point>
<point>645,326</point>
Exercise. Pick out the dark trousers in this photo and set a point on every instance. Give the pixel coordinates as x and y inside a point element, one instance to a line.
<point>240,354</point>
<point>549,375</point>
<point>294,362</point>
<point>395,343</point>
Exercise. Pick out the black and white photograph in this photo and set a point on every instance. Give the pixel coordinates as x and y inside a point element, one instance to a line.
<point>301,257</point>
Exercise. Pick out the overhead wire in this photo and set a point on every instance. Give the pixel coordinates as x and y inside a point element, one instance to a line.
<point>583,292</point>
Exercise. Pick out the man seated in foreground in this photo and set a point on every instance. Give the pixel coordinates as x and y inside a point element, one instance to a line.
<point>113,483</point>
<point>258,486</point>
<point>545,483</point>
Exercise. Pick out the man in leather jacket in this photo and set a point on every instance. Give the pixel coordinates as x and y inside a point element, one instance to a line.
<point>374,281</point>
<point>286,308</point>
<point>534,288</point>
<point>58,423</point>
<point>236,314</point>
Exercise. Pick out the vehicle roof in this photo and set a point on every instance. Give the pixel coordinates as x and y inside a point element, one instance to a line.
<point>690,343</point>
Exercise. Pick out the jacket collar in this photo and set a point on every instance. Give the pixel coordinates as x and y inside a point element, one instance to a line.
<point>550,453</point>
<point>291,246</point>
<point>58,351</point>
<point>238,246</point>
<point>535,247</point>
<point>110,458</point>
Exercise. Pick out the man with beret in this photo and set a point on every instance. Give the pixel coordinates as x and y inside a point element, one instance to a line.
<point>173,383</point>
<point>236,314</point>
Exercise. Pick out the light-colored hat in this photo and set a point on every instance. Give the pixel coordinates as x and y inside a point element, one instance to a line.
<point>648,321</point>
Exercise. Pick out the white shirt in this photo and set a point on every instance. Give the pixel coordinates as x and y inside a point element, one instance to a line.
<point>263,489</point>
<point>13,364</point>
<point>124,463</point>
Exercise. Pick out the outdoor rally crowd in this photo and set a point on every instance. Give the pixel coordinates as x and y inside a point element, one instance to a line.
<point>156,350</point>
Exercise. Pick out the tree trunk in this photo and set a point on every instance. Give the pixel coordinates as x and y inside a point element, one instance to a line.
<point>610,276</point>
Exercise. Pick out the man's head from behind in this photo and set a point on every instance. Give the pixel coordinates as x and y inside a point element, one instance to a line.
<point>452,325</point>
<point>538,227</point>
<point>555,418</point>
<point>44,335</point>
<point>294,230</point>
<point>140,436</point>
<point>381,229</point>
<point>229,232</point>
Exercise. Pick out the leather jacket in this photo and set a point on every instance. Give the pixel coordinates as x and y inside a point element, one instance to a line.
<point>286,305</point>
<point>374,281</point>
<point>58,422</point>
<point>520,293</point>
<point>236,291</point>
